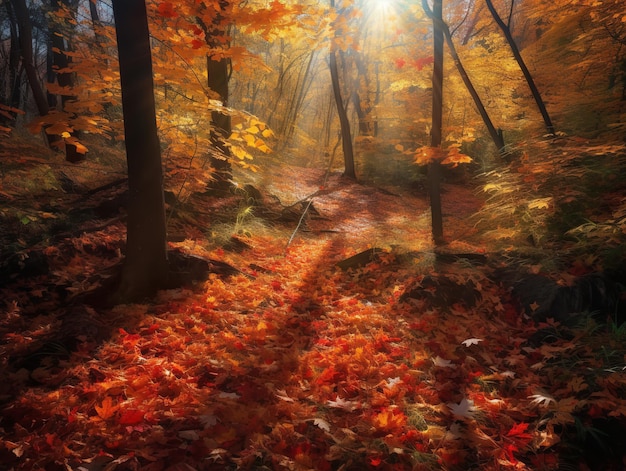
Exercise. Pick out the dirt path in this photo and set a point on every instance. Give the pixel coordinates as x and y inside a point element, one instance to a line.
<point>295,363</point>
<point>368,216</point>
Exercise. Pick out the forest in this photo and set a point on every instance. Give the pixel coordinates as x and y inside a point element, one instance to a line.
<point>334,235</point>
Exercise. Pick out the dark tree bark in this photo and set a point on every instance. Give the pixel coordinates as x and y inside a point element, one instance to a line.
<point>15,74</point>
<point>59,61</point>
<point>28,61</point>
<point>218,76</point>
<point>434,168</point>
<point>96,24</point>
<point>344,122</point>
<point>493,132</point>
<point>367,123</point>
<point>218,72</point>
<point>145,267</point>
<point>496,136</point>
<point>522,65</point>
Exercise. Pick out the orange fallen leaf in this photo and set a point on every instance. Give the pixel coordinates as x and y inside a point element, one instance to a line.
<point>107,409</point>
<point>131,417</point>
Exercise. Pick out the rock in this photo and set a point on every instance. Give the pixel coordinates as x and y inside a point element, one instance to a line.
<point>596,293</point>
<point>360,259</point>
<point>444,291</point>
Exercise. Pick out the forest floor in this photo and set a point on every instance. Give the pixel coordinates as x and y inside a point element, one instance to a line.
<point>292,353</point>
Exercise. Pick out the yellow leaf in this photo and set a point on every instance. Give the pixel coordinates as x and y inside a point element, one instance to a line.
<point>240,153</point>
<point>491,187</point>
<point>259,144</point>
<point>540,203</point>
<point>250,139</point>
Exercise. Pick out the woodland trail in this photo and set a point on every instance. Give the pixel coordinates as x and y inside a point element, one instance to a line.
<point>365,216</point>
<point>403,362</point>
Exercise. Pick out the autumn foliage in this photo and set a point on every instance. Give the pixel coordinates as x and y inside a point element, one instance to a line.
<point>326,331</point>
<point>304,361</point>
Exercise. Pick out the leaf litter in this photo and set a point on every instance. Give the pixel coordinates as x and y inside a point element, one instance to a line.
<point>304,365</point>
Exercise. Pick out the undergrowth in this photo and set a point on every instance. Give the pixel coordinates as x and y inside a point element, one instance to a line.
<point>562,199</point>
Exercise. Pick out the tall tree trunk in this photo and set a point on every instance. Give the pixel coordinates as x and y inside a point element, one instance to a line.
<point>59,60</point>
<point>522,65</point>
<point>344,122</point>
<point>363,107</point>
<point>145,269</point>
<point>96,24</point>
<point>15,75</point>
<point>273,109</point>
<point>286,103</point>
<point>218,76</point>
<point>218,72</point>
<point>493,132</point>
<point>303,84</point>
<point>28,61</point>
<point>434,168</point>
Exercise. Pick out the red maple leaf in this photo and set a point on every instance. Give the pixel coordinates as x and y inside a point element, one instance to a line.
<point>166,10</point>
<point>400,62</point>
<point>423,61</point>
<point>131,417</point>
<point>519,431</point>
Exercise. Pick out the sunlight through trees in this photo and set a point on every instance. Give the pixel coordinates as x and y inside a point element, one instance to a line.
<point>312,235</point>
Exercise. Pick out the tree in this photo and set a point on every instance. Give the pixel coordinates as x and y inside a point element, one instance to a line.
<point>96,24</point>
<point>28,59</point>
<point>344,122</point>
<point>54,122</point>
<point>218,69</point>
<point>506,30</point>
<point>145,268</point>
<point>445,31</point>
<point>361,99</point>
<point>299,72</point>
<point>434,168</point>
<point>10,93</point>
<point>58,67</point>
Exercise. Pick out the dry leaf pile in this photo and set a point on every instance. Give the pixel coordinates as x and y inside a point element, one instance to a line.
<point>298,364</point>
